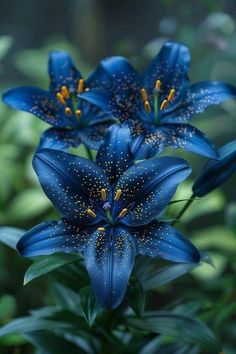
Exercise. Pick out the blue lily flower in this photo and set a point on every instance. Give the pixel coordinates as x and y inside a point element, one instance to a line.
<point>109,212</point>
<point>74,121</point>
<point>215,173</point>
<point>159,104</point>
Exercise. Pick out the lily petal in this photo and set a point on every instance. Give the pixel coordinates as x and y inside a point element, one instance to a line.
<point>109,259</point>
<point>73,184</point>
<point>214,173</point>
<point>59,139</point>
<point>170,66</point>
<point>38,102</point>
<point>189,138</point>
<point>147,187</point>
<point>53,236</point>
<point>114,156</point>
<point>62,71</point>
<point>158,239</point>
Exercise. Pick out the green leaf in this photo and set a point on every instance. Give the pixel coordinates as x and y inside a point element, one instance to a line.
<point>231,216</point>
<point>88,304</point>
<point>10,236</point>
<point>66,297</point>
<point>46,264</point>
<point>5,45</point>
<point>7,308</point>
<point>165,274</point>
<point>135,296</point>
<point>176,325</point>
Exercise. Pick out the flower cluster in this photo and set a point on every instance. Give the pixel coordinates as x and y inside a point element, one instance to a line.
<point>110,209</point>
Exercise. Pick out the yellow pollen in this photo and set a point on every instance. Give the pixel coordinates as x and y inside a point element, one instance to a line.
<point>101,229</point>
<point>123,213</point>
<point>103,194</point>
<point>144,94</point>
<point>91,213</point>
<point>60,98</point>
<point>68,111</point>
<point>164,104</point>
<point>158,85</point>
<point>147,106</point>
<point>80,86</point>
<point>78,113</point>
<point>118,194</point>
<point>171,95</point>
<point>65,93</point>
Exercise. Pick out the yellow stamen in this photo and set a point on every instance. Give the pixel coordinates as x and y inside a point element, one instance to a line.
<point>144,94</point>
<point>123,213</point>
<point>68,111</point>
<point>80,86</point>
<point>118,194</point>
<point>60,98</point>
<point>147,107</point>
<point>164,104</point>
<point>91,213</point>
<point>101,229</point>
<point>65,93</point>
<point>78,113</point>
<point>103,194</point>
<point>158,85</point>
<point>171,95</point>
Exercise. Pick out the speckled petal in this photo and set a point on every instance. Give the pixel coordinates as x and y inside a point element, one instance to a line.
<point>53,236</point>
<point>109,260</point>
<point>159,239</point>
<point>93,134</point>
<point>73,184</point>
<point>114,156</point>
<point>59,139</point>
<point>189,138</point>
<point>62,71</point>
<point>147,187</point>
<point>170,66</point>
<point>38,102</point>
<point>215,173</point>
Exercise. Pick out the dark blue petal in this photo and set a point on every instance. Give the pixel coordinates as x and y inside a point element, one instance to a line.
<point>53,236</point>
<point>159,239</point>
<point>147,187</point>
<point>59,139</point>
<point>114,156</point>
<point>93,134</point>
<point>38,102</point>
<point>200,96</point>
<point>214,173</point>
<point>62,72</point>
<point>189,138</point>
<point>73,184</point>
<point>109,259</point>
<point>171,67</point>
<point>99,97</point>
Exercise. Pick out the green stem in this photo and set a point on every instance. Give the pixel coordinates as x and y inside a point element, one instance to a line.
<point>155,108</point>
<point>109,217</point>
<point>183,210</point>
<point>89,153</point>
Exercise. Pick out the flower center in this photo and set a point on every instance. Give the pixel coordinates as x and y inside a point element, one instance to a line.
<point>112,215</point>
<point>157,105</point>
<point>65,95</point>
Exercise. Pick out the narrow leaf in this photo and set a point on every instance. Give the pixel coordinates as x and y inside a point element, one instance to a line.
<point>135,296</point>
<point>88,304</point>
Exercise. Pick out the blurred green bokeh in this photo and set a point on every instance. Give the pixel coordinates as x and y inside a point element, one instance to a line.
<point>90,30</point>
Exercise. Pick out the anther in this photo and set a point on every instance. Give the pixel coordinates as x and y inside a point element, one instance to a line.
<point>78,113</point>
<point>171,95</point>
<point>158,85</point>
<point>123,213</point>
<point>91,213</point>
<point>147,107</point>
<point>103,194</point>
<point>101,229</point>
<point>60,98</point>
<point>144,94</point>
<point>164,104</point>
<point>80,88</point>
<point>118,195</point>
<point>65,93</point>
<point>68,111</point>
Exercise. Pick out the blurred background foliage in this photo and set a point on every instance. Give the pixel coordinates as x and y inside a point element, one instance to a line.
<point>90,30</point>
